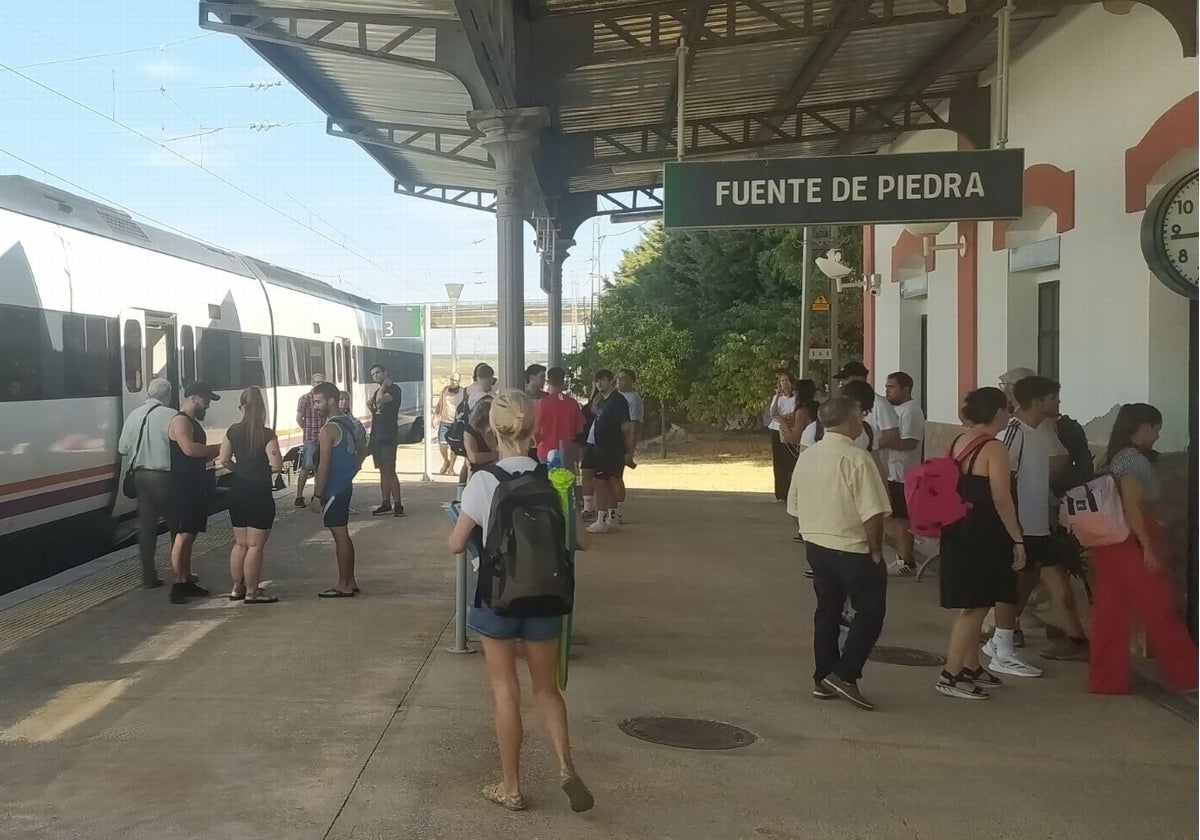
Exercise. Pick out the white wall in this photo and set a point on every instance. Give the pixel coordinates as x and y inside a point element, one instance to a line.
<point>1084,88</point>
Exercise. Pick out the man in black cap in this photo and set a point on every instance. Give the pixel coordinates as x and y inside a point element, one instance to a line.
<point>190,456</point>
<point>885,423</point>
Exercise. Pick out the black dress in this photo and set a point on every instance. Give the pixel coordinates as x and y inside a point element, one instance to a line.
<point>976,552</point>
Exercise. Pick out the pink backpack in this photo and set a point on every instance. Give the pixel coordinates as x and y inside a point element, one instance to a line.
<point>1094,513</point>
<point>931,492</point>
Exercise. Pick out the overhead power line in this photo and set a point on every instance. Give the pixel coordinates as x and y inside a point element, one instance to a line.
<point>98,56</point>
<point>191,162</point>
<point>266,126</point>
<point>133,213</point>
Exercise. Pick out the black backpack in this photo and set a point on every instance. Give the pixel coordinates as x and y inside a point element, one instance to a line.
<point>525,569</point>
<point>1080,467</point>
<point>454,435</point>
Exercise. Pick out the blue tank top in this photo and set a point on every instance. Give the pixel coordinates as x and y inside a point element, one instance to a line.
<point>345,457</point>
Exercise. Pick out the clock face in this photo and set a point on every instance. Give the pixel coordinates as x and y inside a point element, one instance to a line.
<point>1171,235</point>
<point>1179,231</point>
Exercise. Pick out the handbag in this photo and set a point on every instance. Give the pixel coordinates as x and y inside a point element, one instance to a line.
<point>128,485</point>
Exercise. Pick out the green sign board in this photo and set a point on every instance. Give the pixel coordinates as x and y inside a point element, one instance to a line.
<point>854,189</point>
<point>401,322</point>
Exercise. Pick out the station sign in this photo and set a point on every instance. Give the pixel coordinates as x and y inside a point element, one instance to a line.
<point>853,189</point>
<point>400,322</point>
<point>821,354</point>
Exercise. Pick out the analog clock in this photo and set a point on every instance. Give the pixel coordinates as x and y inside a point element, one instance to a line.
<point>1170,241</point>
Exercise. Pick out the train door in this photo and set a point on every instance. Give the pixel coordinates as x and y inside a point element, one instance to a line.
<point>133,383</point>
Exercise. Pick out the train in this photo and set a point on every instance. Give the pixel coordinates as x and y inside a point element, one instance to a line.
<point>94,305</point>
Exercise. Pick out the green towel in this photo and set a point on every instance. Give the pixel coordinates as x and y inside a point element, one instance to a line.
<point>564,482</point>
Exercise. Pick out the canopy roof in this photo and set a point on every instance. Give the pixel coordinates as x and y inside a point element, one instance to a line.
<point>771,77</point>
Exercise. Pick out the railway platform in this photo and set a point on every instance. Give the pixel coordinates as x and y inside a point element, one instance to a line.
<point>124,716</point>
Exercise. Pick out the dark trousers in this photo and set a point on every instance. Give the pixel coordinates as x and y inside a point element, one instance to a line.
<point>838,575</point>
<point>783,459</point>
<point>153,496</point>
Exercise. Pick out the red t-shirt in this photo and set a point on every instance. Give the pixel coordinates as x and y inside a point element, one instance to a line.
<point>559,419</point>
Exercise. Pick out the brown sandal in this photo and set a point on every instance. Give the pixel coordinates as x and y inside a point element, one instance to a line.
<point>513,802</point>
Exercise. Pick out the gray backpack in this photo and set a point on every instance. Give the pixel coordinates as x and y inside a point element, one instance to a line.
<point>525,569</point>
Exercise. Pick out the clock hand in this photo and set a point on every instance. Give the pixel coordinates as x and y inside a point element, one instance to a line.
<point>1192,235</point>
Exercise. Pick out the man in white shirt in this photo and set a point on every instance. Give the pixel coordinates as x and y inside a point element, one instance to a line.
<point>902,456</point>
<point>144,441</point>
<point>1036,455</point>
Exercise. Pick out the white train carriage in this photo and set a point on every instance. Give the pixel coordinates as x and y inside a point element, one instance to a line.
<point>93,305</point>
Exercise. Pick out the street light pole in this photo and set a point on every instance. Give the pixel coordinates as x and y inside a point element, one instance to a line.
<point>454,291</point>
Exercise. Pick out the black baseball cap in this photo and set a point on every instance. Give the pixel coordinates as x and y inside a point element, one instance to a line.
<point>851,369</point>
<point>200,389</point>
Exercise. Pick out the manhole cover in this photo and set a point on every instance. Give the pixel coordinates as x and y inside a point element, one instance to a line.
<point>688,733</point>
<point>905,656</point>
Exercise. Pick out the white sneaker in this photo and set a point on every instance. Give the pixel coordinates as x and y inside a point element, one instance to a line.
<point>989,649</point>
<point>897,568</point>
<point>600,526</point>
<point>1014,666</point>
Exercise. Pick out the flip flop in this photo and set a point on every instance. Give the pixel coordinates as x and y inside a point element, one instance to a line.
<point>234,596</point>
<point>261,597</point>
<point>334,592</point>
<point>505,800</point>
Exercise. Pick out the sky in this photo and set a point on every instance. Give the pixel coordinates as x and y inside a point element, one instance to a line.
<point>190,93</point>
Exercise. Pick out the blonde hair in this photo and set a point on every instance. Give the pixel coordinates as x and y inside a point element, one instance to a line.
<point>512,417</point>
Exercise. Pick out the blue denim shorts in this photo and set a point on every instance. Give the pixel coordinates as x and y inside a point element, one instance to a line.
<point>486,623</point>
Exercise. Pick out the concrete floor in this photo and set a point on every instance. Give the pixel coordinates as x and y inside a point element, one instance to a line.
<point>348,719</point>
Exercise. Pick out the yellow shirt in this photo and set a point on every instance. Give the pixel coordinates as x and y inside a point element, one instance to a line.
<point>836,487</point>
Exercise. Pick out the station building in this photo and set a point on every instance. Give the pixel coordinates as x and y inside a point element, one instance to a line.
<point>1104,103</point>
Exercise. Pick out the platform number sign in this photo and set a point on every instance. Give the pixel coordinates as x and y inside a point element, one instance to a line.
<point>1171,235</point>
<point>401,322</point>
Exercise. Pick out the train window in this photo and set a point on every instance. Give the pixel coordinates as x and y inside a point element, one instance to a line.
<point>133,357</point>
<point>213,360</point>
<point>316,360</point>
<point>88,356</point>
<point>23,342</point>
<point>188,339</point>
<point>252,363</point>
<point>401,365</point>
<point>289,361</point>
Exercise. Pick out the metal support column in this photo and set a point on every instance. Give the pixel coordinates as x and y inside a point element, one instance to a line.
<point>554,268</point>
<point>805,303</point>
<point>509,136</point>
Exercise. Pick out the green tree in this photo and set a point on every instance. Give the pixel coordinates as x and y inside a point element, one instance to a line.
<point>735,296</point>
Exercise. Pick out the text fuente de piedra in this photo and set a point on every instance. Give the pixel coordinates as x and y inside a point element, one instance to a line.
<point>916,186</point>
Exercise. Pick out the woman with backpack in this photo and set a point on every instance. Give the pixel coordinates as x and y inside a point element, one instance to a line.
<point>512,421</point>
<point>982,552</point>
<point>1134,576</point>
